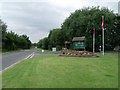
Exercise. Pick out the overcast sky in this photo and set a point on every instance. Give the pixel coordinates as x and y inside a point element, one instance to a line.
<point>37,18</point>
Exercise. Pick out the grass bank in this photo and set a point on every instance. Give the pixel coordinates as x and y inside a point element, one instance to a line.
<point>64,72</point>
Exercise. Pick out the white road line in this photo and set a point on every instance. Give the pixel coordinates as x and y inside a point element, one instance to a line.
<point>17,62</point>
<point>32,55</point>
<point>28,56</point>
<point>11,65</point>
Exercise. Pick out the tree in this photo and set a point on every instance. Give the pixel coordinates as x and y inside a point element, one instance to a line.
<point>56,38</point>
<point>116,35</point>
<point>43,43</point>
<point>12,41</point>
<point>3,29</point>
<point>27,41</point>
<point>81,23</point>
<point>39,44</point>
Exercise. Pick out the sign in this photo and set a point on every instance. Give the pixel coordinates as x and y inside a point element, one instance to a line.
<point>54,49</point>
<point>78,45</point>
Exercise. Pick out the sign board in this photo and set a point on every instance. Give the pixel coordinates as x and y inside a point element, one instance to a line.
<point>78,45</point>
<point>54,49</point>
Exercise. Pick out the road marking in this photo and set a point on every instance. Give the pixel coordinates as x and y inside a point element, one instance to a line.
<point>11,66</point>
<point>28,56</point>
<point>32,55</point>
<point>17,62</point>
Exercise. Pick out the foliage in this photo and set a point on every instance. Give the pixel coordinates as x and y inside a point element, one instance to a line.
<point>82,22</point>
<point>43,43</point>
<point>56,38</point>
<point>12,41</point>
<point>117,33</point>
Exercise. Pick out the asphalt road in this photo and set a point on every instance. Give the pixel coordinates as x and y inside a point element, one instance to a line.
<point>11,58</point>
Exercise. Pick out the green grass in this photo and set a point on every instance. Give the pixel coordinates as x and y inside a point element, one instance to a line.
<point>64,72</point>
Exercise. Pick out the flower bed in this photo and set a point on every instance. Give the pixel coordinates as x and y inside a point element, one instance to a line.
<point>73,53</point>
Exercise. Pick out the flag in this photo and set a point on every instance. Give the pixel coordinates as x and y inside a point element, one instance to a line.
<point>102,22</point>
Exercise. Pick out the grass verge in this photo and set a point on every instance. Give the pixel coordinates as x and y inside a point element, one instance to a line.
<point>64,72</point>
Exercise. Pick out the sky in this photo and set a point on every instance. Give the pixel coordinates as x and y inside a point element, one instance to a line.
<point>36,18</point>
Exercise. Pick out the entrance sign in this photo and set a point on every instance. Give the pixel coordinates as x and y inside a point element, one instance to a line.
<point>78,43</point>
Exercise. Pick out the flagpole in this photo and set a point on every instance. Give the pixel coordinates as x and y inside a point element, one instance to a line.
<point>103,41</point>
<point>93,40</point>
<point>103,34</point>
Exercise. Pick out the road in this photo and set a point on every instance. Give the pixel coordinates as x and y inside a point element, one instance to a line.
<point>12,58</point>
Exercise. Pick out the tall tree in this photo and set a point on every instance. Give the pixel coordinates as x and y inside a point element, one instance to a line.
<point>12,41</point>
<point>81,23</point>
<point>43,43</point>
<point>56,38</point>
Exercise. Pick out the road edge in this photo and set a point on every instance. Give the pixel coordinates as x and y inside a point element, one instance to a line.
<point>29,56</point>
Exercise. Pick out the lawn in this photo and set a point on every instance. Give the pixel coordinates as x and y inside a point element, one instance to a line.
<point>64,72</point>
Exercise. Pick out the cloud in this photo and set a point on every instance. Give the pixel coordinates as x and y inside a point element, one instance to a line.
<point>37,18</point>
<point>24,18</point>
